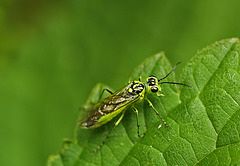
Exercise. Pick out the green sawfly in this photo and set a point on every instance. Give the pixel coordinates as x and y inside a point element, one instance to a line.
<point>134,92</point>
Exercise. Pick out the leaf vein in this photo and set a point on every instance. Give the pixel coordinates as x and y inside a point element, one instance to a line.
<point>227,122</point>
<point>208,115</point>
<point>221,61</point>
<point>112,153</point>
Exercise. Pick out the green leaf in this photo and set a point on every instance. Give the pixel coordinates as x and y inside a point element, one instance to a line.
<point>204,120</point>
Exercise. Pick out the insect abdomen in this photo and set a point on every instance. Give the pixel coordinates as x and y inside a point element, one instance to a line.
<point>91,123</point>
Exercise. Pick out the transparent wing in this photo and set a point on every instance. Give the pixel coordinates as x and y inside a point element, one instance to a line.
<point>114,102</point>
<point>91,102</point>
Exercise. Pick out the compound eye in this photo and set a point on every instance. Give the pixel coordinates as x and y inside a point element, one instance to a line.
<point>154,89</point>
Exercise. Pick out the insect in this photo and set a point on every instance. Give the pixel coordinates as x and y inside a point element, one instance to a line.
<point>134,92</point>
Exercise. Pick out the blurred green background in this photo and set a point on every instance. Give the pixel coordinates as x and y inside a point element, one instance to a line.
<point>53,52</point>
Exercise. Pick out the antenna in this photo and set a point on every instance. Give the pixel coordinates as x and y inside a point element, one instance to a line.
<point>175,83</point>
<point>170,71</point>
<point>172,82</point>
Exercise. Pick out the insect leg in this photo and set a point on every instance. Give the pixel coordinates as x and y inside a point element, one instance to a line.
<point>151,105</point>
<point>136,111</point>
<point>107,90</point>
<point>115,124</point>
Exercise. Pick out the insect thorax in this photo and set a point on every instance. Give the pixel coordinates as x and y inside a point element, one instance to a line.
<point>137,88</point>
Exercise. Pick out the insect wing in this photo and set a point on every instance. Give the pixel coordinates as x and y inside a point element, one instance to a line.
<point>91,103</point>
<point>109,107</point>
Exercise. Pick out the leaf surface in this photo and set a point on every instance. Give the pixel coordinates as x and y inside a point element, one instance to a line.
<point>204,120</point>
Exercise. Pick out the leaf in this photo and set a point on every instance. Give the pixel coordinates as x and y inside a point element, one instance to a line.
<point>204,120</point>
